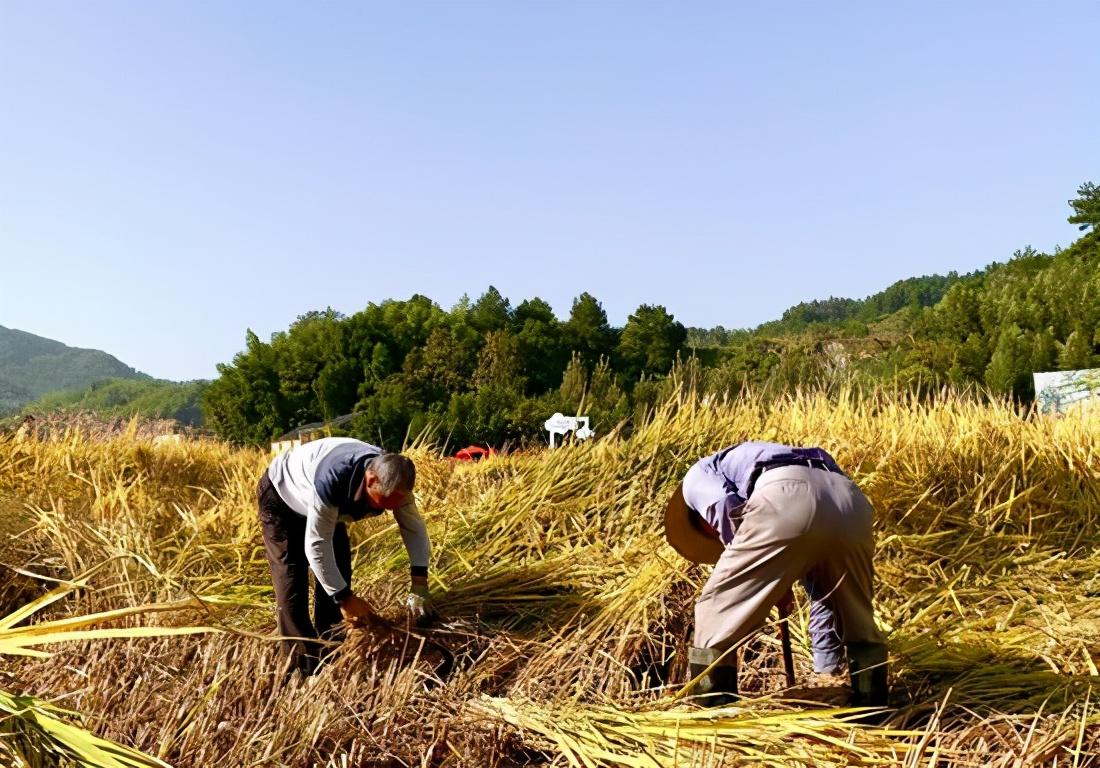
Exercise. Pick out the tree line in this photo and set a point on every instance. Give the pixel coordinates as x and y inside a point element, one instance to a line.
<point>481,371</point>
<point>487,371</point>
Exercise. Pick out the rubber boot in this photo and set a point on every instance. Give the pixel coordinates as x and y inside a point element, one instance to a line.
<point>719,685</point>
<point>867,665</point>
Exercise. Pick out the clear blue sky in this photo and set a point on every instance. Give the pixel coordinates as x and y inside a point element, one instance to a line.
<point>172,173</point>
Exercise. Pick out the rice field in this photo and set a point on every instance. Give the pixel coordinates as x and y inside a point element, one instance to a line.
<point>566,613</point>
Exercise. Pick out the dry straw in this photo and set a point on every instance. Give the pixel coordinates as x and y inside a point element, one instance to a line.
<point>566,611</point>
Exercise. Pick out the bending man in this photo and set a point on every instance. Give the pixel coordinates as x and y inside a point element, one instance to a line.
<point>770,515</point>
<point>305,498</point>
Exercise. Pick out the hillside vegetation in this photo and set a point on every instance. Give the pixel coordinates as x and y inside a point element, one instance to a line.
<point>31,366</point>
<point>490,371</point>
<point>127,398</point>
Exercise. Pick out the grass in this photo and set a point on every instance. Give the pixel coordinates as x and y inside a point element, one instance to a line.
<point>566,611</point>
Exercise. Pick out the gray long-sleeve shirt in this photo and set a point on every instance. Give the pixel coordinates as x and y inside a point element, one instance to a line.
<point>319,480</point>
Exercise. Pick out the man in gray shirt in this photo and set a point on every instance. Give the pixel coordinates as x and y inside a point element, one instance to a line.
<point>306,497</point>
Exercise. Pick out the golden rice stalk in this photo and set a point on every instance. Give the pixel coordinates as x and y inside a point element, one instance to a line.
<point>660,738</point>
<point>34,733</point>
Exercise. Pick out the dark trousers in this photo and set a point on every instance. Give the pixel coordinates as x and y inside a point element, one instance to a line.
<point>284,533</point>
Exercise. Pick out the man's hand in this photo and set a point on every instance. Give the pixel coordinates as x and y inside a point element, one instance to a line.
<point>356,611</point>
<point>419,602</point>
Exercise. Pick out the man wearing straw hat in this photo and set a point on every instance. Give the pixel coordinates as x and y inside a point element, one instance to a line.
<point>769,515</point>
<point>306,497</point>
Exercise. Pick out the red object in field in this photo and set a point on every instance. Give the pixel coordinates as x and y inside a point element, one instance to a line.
<point>475,453</point>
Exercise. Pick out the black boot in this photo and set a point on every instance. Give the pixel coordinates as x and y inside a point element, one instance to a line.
<point>867,665</point>
<point>718,684</point>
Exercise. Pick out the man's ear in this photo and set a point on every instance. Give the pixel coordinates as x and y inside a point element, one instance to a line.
<point>369,479</point>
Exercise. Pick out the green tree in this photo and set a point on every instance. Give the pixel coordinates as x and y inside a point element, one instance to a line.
<point>650,342</point>
<point>607,403</point>
<point>574,385</point>
<point>337,385</point>
<point>491,312</point>
<point>1086,207</point>
<point>499,386</point>
<point>646,396</point>
<point>1076,354</point>
<point>1044,351</point>
<point>440,368</point>
<point>244,404</point>
<point>587,331</point>
<point>596,395</point>
<point>957,314</point>
<point>498,362</point>
<point>313,342</point>
<point>1009,370</point>
<point>407,324</point>
<point>112,398</point>
<point>387,415</point>
<point>542,345</point>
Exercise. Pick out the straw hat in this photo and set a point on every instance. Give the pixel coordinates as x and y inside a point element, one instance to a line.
<point>688,532</point>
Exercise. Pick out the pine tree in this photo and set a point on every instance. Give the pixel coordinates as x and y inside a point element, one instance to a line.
<point>650,342</point>
<point>587,331</point>
<point>1086,207</point>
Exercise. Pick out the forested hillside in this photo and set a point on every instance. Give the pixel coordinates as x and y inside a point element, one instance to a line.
<point>125,398</point>
<point>489,371</point>
<point>31,366</point>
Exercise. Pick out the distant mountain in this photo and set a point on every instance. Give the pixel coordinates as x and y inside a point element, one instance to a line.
<point>32,366</point>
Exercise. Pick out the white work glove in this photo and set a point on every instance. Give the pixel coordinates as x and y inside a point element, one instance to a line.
<point>419,604</point>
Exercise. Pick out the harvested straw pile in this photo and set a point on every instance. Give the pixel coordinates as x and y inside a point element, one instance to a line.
<point>568,614</point>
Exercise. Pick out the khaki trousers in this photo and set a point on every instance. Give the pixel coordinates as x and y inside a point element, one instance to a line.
<point>798,521</point>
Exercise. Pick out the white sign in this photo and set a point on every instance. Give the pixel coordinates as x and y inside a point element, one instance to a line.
<point>559,425</point>
<point>1056,391</point>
